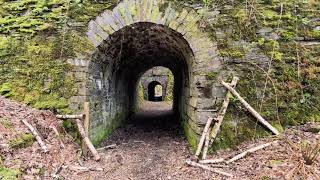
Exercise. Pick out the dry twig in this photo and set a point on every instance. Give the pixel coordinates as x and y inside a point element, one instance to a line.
<point>205,167</point>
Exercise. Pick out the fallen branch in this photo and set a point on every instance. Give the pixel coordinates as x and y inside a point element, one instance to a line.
<point>251,110</point>
<point>107,147</point>
<point>36,134</point>
<point>81,116</point>
<point>222,112</point>
<point>211,161</point>
<point>58,136</point>
<point>204,133</point>
<point>87,141</point>
<point>205,167</point>
<point>85,169</point>
<point>243,154</point>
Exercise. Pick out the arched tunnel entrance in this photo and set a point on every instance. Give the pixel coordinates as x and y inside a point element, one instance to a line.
<point>121,60</point>
<point>155,91</point>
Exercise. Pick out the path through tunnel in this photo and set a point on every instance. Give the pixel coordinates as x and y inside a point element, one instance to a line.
<point>118,65</point>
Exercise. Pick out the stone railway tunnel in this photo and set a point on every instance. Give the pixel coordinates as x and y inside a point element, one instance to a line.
<point>136,36</point>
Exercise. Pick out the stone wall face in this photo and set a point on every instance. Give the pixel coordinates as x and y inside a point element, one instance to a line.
<point>156,74</point>
<point>136,36</point>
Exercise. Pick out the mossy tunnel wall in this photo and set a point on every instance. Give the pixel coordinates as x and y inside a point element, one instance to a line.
<point>131,39</point>
<point>123,58</point>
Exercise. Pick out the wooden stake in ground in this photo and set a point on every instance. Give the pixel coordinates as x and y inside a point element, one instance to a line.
<point>251,110</point>
<point>87,141</point>
<point>86,124</point>
<point>191,163</point>
<point>36,134</point>
<point>218,120</point>
<point>204,133</point>
<point>243,154</point>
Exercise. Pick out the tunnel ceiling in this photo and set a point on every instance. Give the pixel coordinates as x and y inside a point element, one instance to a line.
<point>138,47</point>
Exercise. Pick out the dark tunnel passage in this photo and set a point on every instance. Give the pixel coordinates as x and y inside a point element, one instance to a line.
<point>153,95</point>
<point>123,58</point>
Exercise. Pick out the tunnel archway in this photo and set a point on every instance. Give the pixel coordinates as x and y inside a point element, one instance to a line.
<point>134,37</point>
<point>124,57</point>
<point>152,91</point>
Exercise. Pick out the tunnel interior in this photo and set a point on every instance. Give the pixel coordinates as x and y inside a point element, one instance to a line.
<point>123,58</point>
<point>155,91</point>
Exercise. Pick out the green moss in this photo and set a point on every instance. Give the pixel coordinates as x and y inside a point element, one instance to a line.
<point>314,34</point>
<point>288,35</point>
<point>232,53</point>
<point>270,14</point>
<point>191,135</point>
<point>6,123</point>
<point>6,90</point>
<point>101,132</point>
<point>211,75</point>
<point>9,174</point>
<point>21,141</point>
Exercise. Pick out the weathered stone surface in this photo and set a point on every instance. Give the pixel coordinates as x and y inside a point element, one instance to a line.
<point>148,38</point>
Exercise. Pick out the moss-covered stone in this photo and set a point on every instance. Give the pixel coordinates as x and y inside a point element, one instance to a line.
<point>101,132</point>
<point>192,136</point>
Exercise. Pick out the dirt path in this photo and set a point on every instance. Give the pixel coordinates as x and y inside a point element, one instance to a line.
<point>151,147</point>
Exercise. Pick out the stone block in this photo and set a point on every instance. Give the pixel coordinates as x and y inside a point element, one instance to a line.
<point>202,117</point>
<point>218,91</point>
<point>206,103</point>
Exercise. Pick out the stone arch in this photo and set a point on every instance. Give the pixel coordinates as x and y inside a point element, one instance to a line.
<point>158,74</point>
<point>136,36</point>
<point>151,91</point>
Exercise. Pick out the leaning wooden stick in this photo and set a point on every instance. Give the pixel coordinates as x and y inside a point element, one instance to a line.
<point>191,163</point>
<point>251,110</point>
<point>218,120</point>
<point>87,141</point>
<point>35,133</point>
<point>222,111</point>
<point>200,145</point>
<point>243,154</point>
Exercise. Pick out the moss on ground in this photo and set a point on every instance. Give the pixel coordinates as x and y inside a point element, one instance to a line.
<point>22,141</point>
<point>6,123</point>
<point>9,173</point>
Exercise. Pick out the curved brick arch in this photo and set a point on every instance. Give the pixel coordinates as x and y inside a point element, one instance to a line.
<point>182,28</point>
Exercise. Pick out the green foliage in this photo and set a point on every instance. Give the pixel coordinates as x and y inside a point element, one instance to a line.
<point>21,141</point>
<point>9,174</point>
